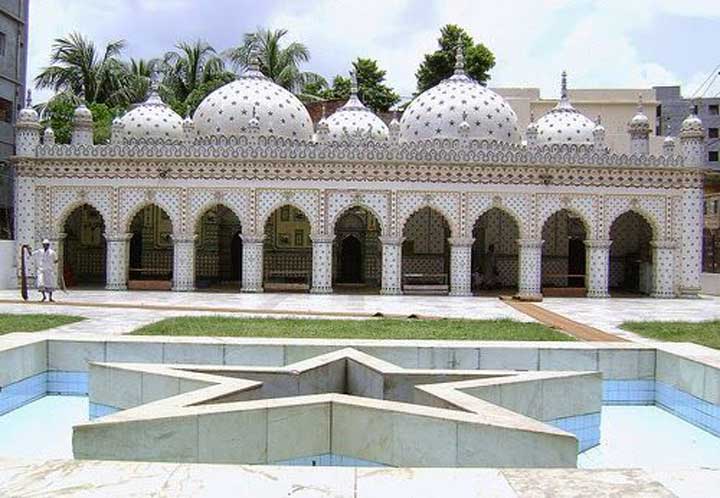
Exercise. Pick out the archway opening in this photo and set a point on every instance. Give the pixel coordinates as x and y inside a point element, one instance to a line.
<point>287,258</point>
<point>495,253</point>
<point>631,260</point>
<point>151,250</point>
<point>357,251</point>
<point>426,253</point>
<point>218,250</point>
<point>84,248</point>
<point>563,255</point>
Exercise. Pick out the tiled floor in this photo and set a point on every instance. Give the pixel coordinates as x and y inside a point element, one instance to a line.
<point>608,314</point>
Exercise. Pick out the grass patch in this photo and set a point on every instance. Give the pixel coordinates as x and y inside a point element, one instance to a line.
<point>479,330</point>
<point>33,323</point>
<point>703,333</point>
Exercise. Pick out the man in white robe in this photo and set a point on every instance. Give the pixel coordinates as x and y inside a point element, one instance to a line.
<point>45,260</point>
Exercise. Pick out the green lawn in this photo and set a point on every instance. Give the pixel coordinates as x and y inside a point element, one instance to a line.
<point>705,333</point>
<point>507,330</point>
<point>33,323</point>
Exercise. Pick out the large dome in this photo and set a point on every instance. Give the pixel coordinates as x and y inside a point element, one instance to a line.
<point>355,121</point>
<point>564,124</point>
<point>228,110</point>
<point>152,119</point>
<point>439,111</point>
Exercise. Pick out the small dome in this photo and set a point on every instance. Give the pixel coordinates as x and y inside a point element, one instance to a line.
<point>564,124</point>
<point>692,127</point>
<point>355,121</point>
<point>639,124</point>
<point>27,114</point>
<point>82,114</point>
<point>152,119</point>
<point>228,110</point>
<point>438,112</point>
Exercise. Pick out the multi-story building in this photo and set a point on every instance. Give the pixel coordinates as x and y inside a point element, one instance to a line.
<point>13,66</point>
<point>672,109</point>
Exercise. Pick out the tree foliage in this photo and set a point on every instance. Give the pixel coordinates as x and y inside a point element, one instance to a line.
<point>279,63</point>
<point>371,88</point>
<point>437,66</point>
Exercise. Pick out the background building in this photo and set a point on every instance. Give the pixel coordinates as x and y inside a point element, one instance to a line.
<point>13,66</point>
<point>673,108</point>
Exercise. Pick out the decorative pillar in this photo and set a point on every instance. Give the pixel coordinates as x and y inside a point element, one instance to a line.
<point>597,256</point>
<point>391,265</point>
<point>663,268</point>
<point>116,260</point>
<point>460,266</point>
<point>530,284</point>
<point>691,240</point>
<point>82,132</point>
<point>322,250</point>
<point>183,262</point>
<point>252,262</point>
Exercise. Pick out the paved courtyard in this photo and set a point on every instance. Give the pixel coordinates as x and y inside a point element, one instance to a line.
<point>122,312</point>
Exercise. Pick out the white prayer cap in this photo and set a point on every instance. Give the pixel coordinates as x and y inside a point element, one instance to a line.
<point>45,241</point>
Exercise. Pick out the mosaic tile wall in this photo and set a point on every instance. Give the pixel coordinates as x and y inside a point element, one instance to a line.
<point>425,249</point>
<point>20,393</point>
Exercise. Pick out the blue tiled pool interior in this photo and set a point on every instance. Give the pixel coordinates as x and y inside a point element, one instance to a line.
<point>643,423</point>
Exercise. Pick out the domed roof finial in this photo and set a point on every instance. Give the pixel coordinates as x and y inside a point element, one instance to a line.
<point>28,100</point>
<point>459,59</point>
<point>353,82</point>
<point>563,86</point>
<point>532,116</point>
<point>640,108</point>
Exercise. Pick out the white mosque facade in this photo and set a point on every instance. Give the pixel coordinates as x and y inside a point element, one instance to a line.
<point>453,197</point>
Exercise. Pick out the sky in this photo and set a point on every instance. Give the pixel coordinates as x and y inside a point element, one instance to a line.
<point>601,43</point>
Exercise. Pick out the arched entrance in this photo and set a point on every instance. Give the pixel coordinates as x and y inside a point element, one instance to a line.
<point>495,252</point>
<point>151,250</point>
<point>84,248</point>
<point>426,253</point>
<point>563,254</point>
<point>357,250</point>
<point>218,250</point>
<point>631,260</point>
<point>287,257</point>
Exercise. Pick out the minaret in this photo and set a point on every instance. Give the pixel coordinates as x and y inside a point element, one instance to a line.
<point>639,130</point>
<point>82,133</point>
<point>28,129</point>
<point>599,135</point>
<point>116,131</point>
<point>669,146</point>
<point>692,140</point>
<point>394,128</point>
<point>532,132</point>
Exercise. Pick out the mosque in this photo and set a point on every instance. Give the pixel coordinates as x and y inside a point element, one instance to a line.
<point>451,198</point>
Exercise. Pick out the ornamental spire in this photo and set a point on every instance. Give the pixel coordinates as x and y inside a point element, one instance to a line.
<point>640,109</point>
<point>459,59</point>
<point>28,101</point>
<point>563,86</point>
<point>353,83</point>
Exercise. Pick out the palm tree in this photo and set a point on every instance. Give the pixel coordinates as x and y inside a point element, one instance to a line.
<point>77,68</point>
<point>189,66</point>
<point>280,64</point>
<point>137,75</point>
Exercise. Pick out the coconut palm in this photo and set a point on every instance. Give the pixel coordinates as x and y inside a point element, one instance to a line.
<point>280,64</point>
<point>77,68</point>
<point>189,66</point>
<point>137,75</point>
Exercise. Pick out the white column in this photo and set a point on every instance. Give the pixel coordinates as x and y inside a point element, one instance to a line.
<point>663,268</point>
<point>460,266</point>
<point>322,264</point>
<point>183,262</point>
<point>691,240</point>
<point>252,262</point>
<point>530,284</point>
<point>597,257</point>
<point>391,265</point>
<point>116,260</point>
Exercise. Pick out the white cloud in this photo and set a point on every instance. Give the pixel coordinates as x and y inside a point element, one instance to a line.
<point>533,40</point>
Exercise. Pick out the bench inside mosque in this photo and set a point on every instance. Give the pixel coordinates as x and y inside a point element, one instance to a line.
<point>425,283</point>
<point>287,280</point>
